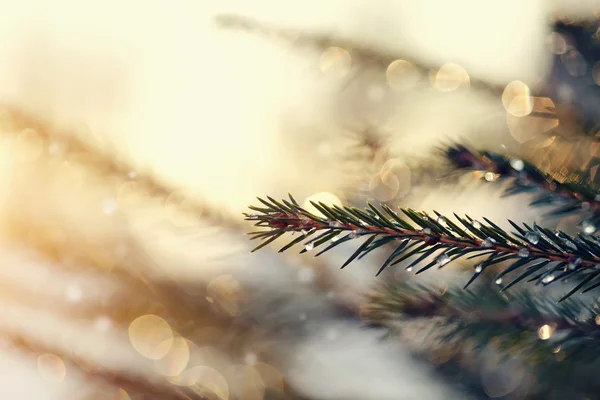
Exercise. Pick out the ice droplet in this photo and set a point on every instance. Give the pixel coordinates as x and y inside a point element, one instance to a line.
<point>427,231</point>
<point>309,247</point>
<point>442,259</point>
<point>489,242</point>
<point>532,237</point>
<point>409,269</point>
<point>523,252</point>
<point>499,281</point>
<point>476,224</point>
<point>517,164</point>
<point>478,268</point>
<point>442,221</point>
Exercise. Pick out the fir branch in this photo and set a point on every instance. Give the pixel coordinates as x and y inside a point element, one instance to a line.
<point>539,254</point>
<point>567,197</point>
<point>558,343</point>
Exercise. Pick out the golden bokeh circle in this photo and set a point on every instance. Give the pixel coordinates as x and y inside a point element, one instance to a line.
<point>402,75</point>
<point>176,360</point>
<point>336,61</point>
<point>151,336</point>
<point>450,77</point>
<point>517,100</point>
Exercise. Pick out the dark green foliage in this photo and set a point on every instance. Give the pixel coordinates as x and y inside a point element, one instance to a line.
<point>564,198</point>
<point>558,343</point>
<point>534,254</point>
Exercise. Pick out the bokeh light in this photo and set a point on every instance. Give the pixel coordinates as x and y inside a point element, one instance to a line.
<point>450,77</point>
<point>402,75</point>
<point>322,197</point>
<point>517,99</point>
<point>151,336</point>
<point>336,61</point>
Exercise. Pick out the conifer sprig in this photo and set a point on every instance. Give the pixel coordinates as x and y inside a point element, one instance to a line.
<point>534,253</point>
<point>566,197</point>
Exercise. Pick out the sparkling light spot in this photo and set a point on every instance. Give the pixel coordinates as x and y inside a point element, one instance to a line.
<point>450,77</point>
<point>322,197</point>
<point>151,336</point>
<point>517,99</point>
<point>545,332</point>
<point>335,61</point>
<point>402,75</point>
<point>51,368</point>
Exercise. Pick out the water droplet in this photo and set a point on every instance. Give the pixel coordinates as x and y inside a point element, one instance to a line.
<point>309,247</point>
<point>523,252</point>
<point>489,242</point>
<point>490,176</point>
<point>442,221</point>
<point>517,164</point>
<point>252,216</point>
<point>409,269</point>
<point>532,237</point>
<point>547,279</point>
<point>478,268</point>
<point>427,231</point>
<point>476,224</point>
<point>442,259</point>
<point>588,228</point>
<point>570,244</point>
<point>499,281</point>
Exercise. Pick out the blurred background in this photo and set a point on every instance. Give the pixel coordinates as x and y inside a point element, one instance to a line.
<point>136,133</point>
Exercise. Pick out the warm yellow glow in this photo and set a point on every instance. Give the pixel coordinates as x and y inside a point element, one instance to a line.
<point>176,359</point>
<point>226,293</point>
<point>151,336</point>
<point>517,99</point>
<point>545,332</point>
<point>51,368</point>
<point>28,146</point>
<point>322,197</point>
<point>336,61</point>
<point>402,75</point>
<point>450,77</point>
<point>204,380</point>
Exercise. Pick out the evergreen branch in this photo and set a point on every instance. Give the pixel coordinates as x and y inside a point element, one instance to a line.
<point>537,253</point>
<point>567,196</point>
<point>558,341</point>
